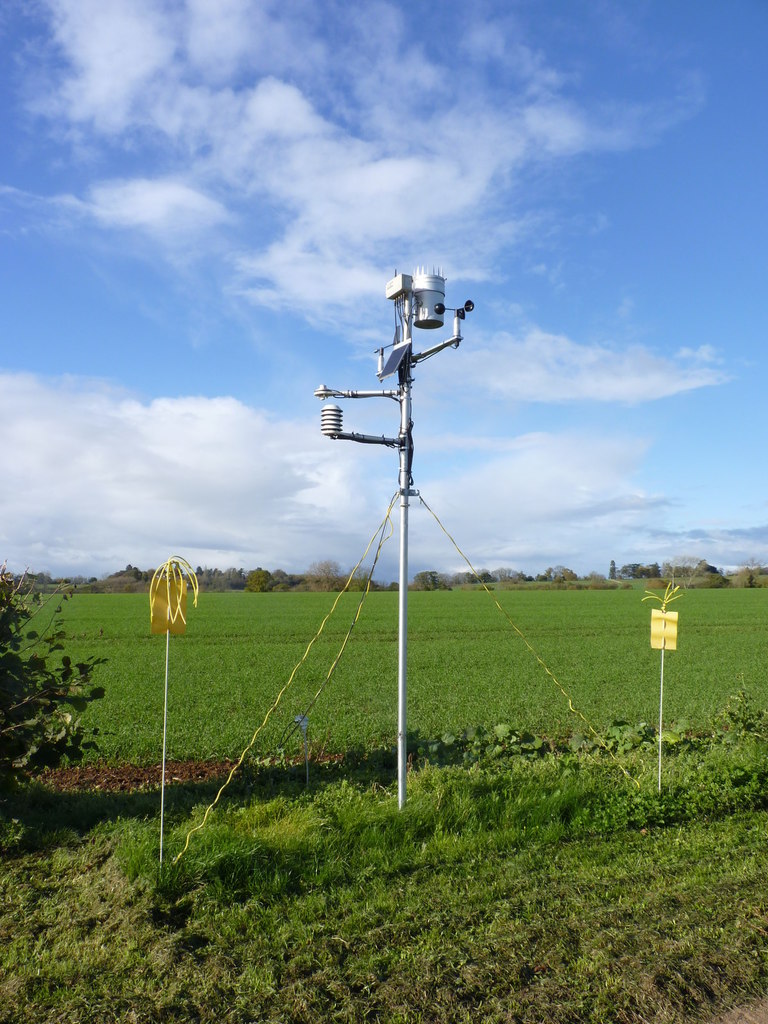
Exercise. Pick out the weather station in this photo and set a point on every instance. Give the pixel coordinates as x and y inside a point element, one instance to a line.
<point>419,302</point>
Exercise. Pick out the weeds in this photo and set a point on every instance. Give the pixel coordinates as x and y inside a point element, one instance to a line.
<point>531,883</point>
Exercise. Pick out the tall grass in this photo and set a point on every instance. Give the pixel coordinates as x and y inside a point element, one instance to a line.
<point>550,890</point>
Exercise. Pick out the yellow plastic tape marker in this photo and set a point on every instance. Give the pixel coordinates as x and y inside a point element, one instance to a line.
<point>663,630</point>
<point>168,601</point>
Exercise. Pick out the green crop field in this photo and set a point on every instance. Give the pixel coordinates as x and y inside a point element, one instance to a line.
<point>514,888</point>
<point>466,665</point>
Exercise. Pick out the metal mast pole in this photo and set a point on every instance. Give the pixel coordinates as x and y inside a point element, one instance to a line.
<point>402,618</point>
<point>419,300</point>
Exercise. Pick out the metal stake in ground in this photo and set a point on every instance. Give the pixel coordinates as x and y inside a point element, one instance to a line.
<point>168,614</point>
<point>302,721</point>
<point>663,637</point>
<point>419,302</point>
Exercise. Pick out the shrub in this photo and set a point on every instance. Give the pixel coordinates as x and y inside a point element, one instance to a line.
<point>37,700</point>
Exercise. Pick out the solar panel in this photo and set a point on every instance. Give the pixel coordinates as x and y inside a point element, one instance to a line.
<point>393,360</point>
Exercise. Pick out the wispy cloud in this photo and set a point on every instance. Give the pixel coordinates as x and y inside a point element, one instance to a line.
<point>167,209</point>
<point>112,54</point>
<point>342,146</point>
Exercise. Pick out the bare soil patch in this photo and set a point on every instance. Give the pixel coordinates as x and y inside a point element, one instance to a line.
<point>755,1013</point>
<point>124,778</point>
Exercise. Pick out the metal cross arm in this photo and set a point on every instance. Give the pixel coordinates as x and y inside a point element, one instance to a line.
<point>389,442</point>
<point>324,392</point>
<point>331,424</point>
<point>419,356</point>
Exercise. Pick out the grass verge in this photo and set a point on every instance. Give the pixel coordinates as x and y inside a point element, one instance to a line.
<point>551,890</point>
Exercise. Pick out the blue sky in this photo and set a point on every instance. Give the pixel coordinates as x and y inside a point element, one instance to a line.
<point>200,206</point>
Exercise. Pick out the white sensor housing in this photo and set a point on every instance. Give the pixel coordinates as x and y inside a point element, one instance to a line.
<point>428,291</point>
<point>398,286</point>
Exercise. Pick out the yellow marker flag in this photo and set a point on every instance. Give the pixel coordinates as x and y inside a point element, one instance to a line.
<point>663,630</point>
<point>168,614</point>
<point>168,603</point>
<point>168,596</point>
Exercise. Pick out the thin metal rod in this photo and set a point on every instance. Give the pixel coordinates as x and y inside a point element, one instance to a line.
<point>165,726</point>
<point>661,710</point>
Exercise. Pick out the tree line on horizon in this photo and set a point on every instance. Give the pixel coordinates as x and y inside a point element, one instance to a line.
<point>327,575</point>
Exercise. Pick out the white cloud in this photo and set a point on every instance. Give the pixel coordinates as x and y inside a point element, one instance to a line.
<point>340,146</point>
<point>160,207</point>
<point>555,127</point>
<point>289,276</point>
<point>231,37</point>
<point>726,548</point>
<point>542,367</point>
<point>542,499</point>
<point>168,210</point>
<point>95,478</point>
<point>702,354</point>
<point>219,37</point>
<point>115,50</point>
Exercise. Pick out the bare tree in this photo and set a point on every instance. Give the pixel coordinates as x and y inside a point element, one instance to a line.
<point>681,570</point>
<point>325,575</point>
<point>748,574</point>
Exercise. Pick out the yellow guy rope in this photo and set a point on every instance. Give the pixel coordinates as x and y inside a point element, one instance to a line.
<point>382,540</point>
<point>292,676</point>
<point>579,714</point>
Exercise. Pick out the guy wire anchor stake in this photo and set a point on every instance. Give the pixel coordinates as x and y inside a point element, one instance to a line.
<point>303,722</point>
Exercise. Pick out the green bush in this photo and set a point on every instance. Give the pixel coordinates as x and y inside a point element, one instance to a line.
<point>38,700</point>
